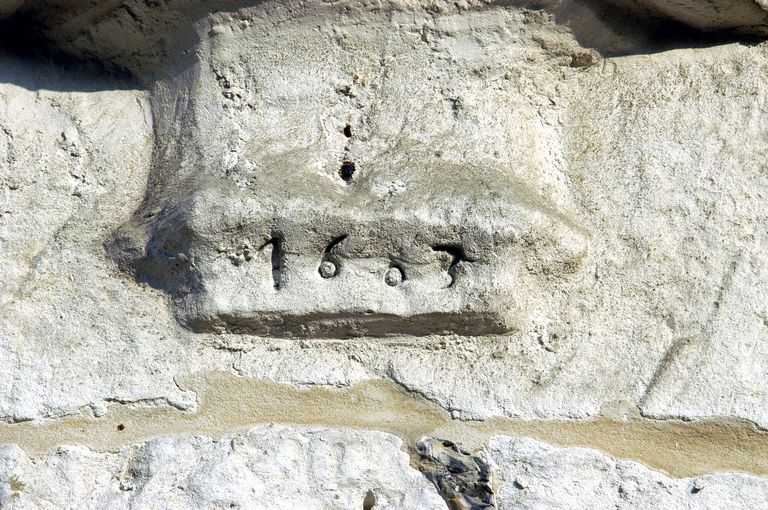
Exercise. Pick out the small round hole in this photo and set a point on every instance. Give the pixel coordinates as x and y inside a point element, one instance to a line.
<point>348,131</point>
<point>370,501</point>
<point>347,170</point>
<point>121,427</point>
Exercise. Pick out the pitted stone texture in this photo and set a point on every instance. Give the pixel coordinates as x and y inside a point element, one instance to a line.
<point>267,468</point>
<point>146,37</point>
<point>535,476</point>
<point>74,159</point>
<point>681,246</point>
<point>315,468</point>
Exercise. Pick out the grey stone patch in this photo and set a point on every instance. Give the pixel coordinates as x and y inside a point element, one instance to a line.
<point>461,478</point>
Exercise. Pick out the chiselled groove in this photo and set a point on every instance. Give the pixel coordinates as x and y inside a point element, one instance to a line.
<point>330,264</point>
<point>351,325</point>
<point>331,249</point>
<point>230,403</point>
<point>277,259</point>
<point>457,255</point>
<point>697,343</point>
<point>678,347</point>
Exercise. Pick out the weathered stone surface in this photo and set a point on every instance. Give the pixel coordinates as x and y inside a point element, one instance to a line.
<point>533,475</point>
<point>601,334</point>
<point>74,159</point>
<point>268,467</point>
<point>297,468</point>
<point>468,200</point>
<point>249,193</point>
<point>688,244</point>
<point>145,36</point>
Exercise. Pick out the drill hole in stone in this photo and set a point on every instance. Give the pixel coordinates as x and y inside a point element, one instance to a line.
<point>347,131</point>
<point>277,259</point>
<point>121,427</point>
<point>370,501</point>
<point>347,171</point>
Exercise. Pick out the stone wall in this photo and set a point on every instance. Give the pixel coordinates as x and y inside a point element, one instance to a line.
<point>387,254</point>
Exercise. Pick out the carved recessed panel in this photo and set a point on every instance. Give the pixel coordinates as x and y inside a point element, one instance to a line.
<point>341,264</point>
<point>325,192</point>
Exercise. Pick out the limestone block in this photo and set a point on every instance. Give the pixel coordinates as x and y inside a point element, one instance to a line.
<point>533,475</point>
<point>689,238</point>
<point>316,468</point>
<point>462,200</point>
<point>287,190</point>
<point>74,159</point>
<point>265,468</point>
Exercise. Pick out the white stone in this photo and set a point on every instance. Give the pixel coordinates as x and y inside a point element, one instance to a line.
<point>640,150</point>
<point>265,468</point>
<point>536,476</point>
<point>633,273</point>
<point>72,335</point>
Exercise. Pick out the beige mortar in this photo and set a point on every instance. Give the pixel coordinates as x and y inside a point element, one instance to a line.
<point>230,403</point>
